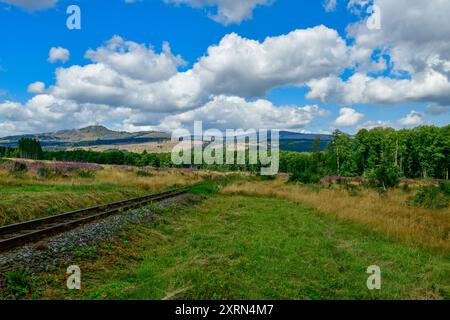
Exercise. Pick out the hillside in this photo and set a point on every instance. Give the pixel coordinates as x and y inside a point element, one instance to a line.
<point>100,138</point>
<point>91,135</point>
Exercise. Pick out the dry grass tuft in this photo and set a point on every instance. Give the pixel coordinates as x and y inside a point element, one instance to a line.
<point>389,214</point>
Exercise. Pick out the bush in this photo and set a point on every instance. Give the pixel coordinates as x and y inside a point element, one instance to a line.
<point>432,197</point>
<point>384,177</point>
<point>445,187</point>
<point>304,177</point>
<point>18,167</point>
<point>19,282</point>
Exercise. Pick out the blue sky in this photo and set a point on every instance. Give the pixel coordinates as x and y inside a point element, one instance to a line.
<point>191,28</point>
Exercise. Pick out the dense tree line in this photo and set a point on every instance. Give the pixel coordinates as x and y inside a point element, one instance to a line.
<point>158,160</point>
<point>3,151</point>
<point>30,149</point>
<point>381,155</point>
<point>414,153</point>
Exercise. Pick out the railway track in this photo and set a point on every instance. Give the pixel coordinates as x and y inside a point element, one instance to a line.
<point>15,235</point>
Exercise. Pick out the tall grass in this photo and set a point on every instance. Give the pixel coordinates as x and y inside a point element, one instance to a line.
<point>387,213</point>
<point>27,195</point>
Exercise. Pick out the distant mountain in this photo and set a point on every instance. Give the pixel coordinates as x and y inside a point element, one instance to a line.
<point>295,141</point>
<point>302,142</point>
<point>92,135</point>
<point>290,135</point>
<point>101,136</point>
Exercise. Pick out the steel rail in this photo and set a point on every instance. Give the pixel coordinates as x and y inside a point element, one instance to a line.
<point>18,234</point>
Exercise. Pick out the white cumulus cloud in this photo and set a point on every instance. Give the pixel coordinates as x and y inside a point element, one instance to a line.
<point>228,11</point>
<point>36,87</point>
<point>58,54</point>
<point>418,47</point>
<point>348,117</point>
<point>414,118</point>
<point>234,112</point>
<point>124,73</point>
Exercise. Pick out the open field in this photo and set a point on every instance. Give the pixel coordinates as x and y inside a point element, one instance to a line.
<point>248,247</point>
<point>244,237</point>
<point>389,213</point>
<point>151,147</point>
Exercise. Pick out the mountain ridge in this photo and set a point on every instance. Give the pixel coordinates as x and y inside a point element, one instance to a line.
<point>89,133</point>
<point>98,135</point>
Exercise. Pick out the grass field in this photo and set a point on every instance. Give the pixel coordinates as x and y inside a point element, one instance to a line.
<point>247,247</point>
<point>27,196</point>
<point>243,238</point>
<point>389,213</point>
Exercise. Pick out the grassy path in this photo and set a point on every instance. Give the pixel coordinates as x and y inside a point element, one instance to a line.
<point>236,247</point>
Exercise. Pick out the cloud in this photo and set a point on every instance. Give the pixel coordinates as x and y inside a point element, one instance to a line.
<point>371,124</point>
<point>137,61</point>
<point>32,5</point>
<point>412,40</point>
<point>348,117</point>
<point>228,11</point>
<point>329,5</point>
<point>360,88</point>
<point>414,118</point>
<point>437,110</point>
<point>124,73</point>
<point>36,87</point>
<point>58,54</point>
<point>406,61</point>
<point>418,48</point>
<point>234,112</point>
<point>133,85</point>
<point>45,113</point>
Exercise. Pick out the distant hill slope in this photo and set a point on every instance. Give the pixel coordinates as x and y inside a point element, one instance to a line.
<point>289,135</point>
<point>103,138</point>
<point>92,135</point>
<point>302,142</point>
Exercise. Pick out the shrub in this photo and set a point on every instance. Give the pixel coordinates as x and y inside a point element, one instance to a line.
<point>19,282</point>
<point>431,197</point>
<point>305,177</point>
<point>384,177</point>
<point>406,188</point>
<point>445,187</point>
<point>17,167</point>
